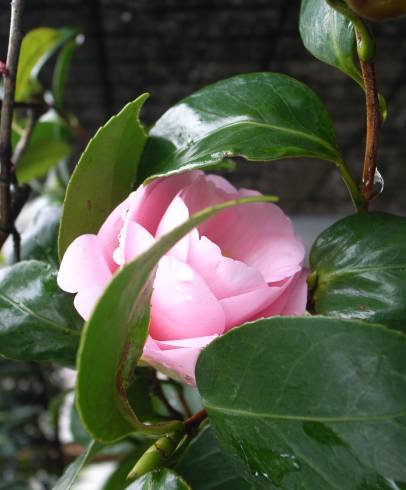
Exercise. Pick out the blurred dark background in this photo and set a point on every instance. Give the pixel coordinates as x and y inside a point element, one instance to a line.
<point>171,48</point>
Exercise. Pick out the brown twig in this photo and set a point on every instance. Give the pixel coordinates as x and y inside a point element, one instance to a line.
<point>40,107</point>
<point>193,422</point>
<point>9,77</point>
<point>373,127</point>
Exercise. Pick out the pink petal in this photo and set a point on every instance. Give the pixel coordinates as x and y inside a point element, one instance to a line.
<point>180,343</point>
<point>182,304</point>
<point>225,277</point>
<point>178,362</point>
<point>158,196</point>
<point>221,183</point>
<point>261,236</point>
<point>297,296</point>
<point>203,192</point>
<point>83,265</point>
<point>109,232</point>
<point>277,257</point>
<point>242,308</point>
<point>134,202</point>
<point>137,241</point>
<point>86,299</point>
<point>292,300</point>
<point>176,214</point>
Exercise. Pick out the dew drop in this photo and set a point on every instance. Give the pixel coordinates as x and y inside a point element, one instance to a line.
<point>269,465</point>
<point>379,183</point>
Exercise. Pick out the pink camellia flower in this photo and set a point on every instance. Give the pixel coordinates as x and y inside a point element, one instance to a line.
<point>243,264</point>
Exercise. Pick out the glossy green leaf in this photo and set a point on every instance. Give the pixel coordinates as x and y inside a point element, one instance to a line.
<point>104,175</point>
<point>360,264</point>
<point>37,47</point>
<point>258,116</point>
<point>114,336</point>
<point>61,69</point>
<point>39,239</point>
<point>162,479</point>
<point>205,467</point>
<point>38,224</point>
<point>329,37</point>
<point>48,146</point>
<point>309,402</point>
<point>37,319</point>
<point>68,479</point>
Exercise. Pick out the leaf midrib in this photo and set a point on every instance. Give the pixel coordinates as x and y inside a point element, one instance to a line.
<point>308,135</point>
<point>41,318</point>
<point>272,416</point>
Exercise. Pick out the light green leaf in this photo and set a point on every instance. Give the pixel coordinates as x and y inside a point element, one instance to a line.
<point>360,264</point>
<point>68,479</point>
<point>259,116</point>
<point>104,175</point>
<point>37,47</point>
<point>48,146</point>
<point>114,336</point>
<point>310,402</point>
<point>162,479</point>
<point>62,67</point>
<point>37,319</point>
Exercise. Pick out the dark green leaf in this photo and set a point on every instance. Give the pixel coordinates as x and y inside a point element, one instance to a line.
<point>361,269</point>
<point>104,175</point>
<point>48,145</point>
<point>259,116</point>
<point>118,479</point>
<point>69,478</point>
<point>39,239</point>
<point>205,467</point>
<point>329,37</point>
<point>114,336</point>
<point>162,479</point>
<point>36,49</point>
<point>141,395</point>
<point>61,69</point>
<point>309,402</point>
<point>37,320</point>
<point>40,222</point>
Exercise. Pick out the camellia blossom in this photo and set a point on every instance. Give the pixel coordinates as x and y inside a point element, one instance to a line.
<point>243,264</point>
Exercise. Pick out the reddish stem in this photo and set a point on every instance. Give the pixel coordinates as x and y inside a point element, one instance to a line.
<point>373,127</point>
<point>195,420</point>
